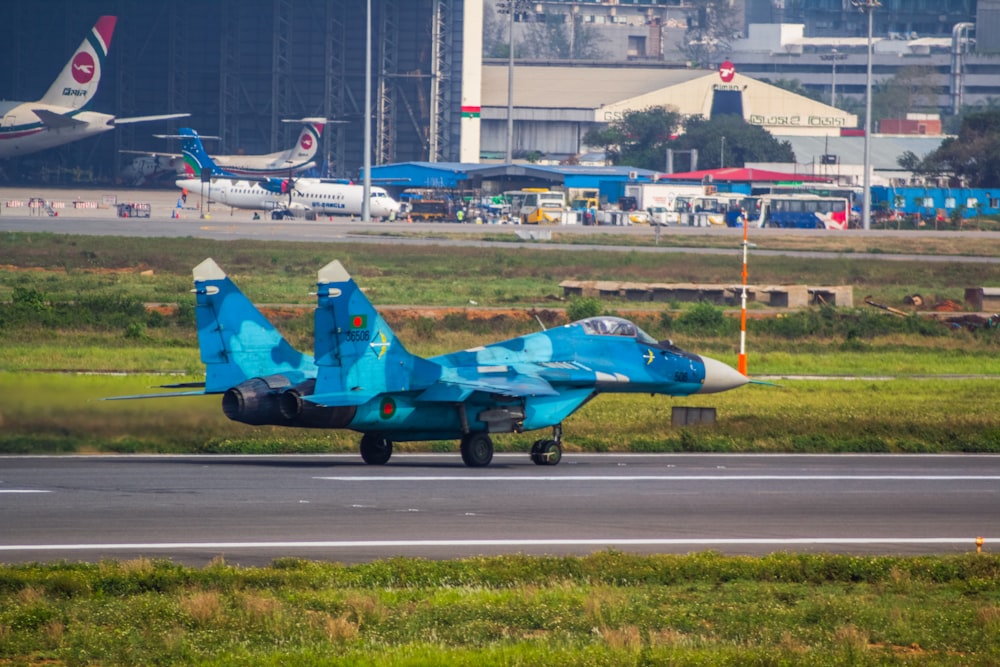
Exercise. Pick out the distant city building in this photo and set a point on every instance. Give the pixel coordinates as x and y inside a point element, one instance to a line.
<point>953,72</point>
<point>839,18</point>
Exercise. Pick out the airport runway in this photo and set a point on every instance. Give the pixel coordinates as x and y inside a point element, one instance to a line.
<point>254,509</point>
<point>225,224</point>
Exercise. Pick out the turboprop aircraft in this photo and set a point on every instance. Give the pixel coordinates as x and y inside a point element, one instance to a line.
<point>361,377</point>
<point>303,197</point>
<point>284,197</point>
<point>290,161</point>
<point>62,115</point>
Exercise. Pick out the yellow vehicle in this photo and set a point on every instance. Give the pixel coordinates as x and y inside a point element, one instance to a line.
<point>533,206</point>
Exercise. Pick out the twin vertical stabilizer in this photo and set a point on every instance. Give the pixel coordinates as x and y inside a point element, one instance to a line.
<point>357,354</point>
<point>236,341</point>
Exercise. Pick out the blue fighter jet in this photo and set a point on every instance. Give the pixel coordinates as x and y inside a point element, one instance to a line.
<point>362,378</point>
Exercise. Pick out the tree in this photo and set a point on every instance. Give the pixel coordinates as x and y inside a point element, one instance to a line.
<point>495,39</point>
<point>743,142</point>
<point>795,86</point>
<point>557,37</point>
<point>638,138</point>
<point>641,139</point>
<point>711,24</point>
<point>560,37</point>
<point>906,91</point>
<point>973,156</point>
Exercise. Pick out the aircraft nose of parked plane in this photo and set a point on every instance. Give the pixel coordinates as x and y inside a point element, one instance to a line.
<point>720,377</point>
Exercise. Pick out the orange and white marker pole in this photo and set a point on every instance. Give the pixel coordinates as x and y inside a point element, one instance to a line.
<point>741,364</point>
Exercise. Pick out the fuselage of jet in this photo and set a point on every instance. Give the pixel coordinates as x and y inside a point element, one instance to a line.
<point>23,130</point>
<point>62,115</point>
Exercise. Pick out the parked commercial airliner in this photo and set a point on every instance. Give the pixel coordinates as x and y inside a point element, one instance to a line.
<point>283,163</point>
<point>300,197</point>
<point>62,115</point>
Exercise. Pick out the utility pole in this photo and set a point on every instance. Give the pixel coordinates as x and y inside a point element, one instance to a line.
<point>868,7</point>
<point>510,7</point>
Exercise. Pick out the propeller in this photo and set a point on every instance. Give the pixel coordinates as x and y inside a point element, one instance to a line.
<point>281,186</point>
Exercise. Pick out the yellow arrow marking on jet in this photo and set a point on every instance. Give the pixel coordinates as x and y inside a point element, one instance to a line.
<point>382,345</point>
<point>648,357</point>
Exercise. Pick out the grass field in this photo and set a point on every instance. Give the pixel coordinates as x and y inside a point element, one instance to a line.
<point>606,609</point>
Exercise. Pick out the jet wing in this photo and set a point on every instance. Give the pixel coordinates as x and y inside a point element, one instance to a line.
<point>166,156</point>
<point>146,119</point>
<point>199,388</point>
<point>56,120</point>
<point>170,395</point>
<point>458,389</point>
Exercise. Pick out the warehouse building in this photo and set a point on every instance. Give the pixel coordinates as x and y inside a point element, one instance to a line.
<point>555,106</point>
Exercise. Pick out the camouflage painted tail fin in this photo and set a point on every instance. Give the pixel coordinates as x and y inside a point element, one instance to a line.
<point>236,341</point>
<point>357,354</point>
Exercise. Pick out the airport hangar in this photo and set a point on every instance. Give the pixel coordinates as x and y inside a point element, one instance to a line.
<point>555,105</point>
<point>241,66</point>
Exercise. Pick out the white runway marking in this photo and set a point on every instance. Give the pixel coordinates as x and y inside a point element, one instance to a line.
<point>589,542</point>
<point>654,478</point>
<point>24,491</point>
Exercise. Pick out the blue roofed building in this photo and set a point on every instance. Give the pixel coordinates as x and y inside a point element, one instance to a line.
<point>496,178</point>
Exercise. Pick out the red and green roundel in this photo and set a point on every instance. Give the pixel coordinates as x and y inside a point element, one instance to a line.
<point>388,408</point>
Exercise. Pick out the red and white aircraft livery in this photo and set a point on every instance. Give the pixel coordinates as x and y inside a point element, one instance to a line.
<point>62,115</point>
<point>146,169</point>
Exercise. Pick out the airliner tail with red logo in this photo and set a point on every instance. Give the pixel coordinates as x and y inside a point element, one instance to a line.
<point>290,161</point>
<point>63,115</point>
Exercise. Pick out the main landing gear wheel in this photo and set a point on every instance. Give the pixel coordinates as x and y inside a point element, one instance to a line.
<point>375,449</point>
<point>546,452</point>
<point>477,450</point>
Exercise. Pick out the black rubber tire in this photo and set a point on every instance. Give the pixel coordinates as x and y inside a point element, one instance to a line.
<point>375,449</point>
<point>535,449</point>
<point>548,454</point>
<point>477,450</point>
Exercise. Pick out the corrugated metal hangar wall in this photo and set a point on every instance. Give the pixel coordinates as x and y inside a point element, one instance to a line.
<point>241,66</point>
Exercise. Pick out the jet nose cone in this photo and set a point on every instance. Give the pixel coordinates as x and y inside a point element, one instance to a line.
<point>720,377</point>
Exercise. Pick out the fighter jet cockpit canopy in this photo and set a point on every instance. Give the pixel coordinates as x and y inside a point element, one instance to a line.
<point>605,325</point>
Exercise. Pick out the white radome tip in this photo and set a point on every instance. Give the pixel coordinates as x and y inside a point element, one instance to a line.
<point>208,270</point>
<point>334,272</point>
<point>720,377</point>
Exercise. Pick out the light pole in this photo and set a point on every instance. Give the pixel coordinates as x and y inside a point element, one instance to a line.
<point>833,81</point>
<point>510,6</point>
<point>834,55</point>
<point>722,153</point>
<point>867,6</point>
<point>366,210</point>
